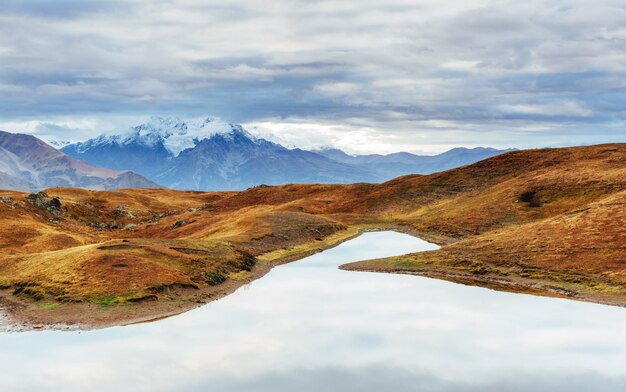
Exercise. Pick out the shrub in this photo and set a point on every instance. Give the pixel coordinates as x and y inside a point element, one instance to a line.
<point>214,278</point>
<point>248,261</point>
<point>531,198</point>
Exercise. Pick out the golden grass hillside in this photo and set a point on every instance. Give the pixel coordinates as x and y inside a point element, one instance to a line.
<point>549,221</point>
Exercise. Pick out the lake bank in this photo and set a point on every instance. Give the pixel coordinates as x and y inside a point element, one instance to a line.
<point>24,315</point>
<point>310,326</point>
<point>20,314</point>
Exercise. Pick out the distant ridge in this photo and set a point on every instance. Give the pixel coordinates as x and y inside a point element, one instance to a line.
<point>401,163</point>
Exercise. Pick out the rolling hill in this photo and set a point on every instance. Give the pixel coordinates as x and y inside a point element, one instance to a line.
<point>548,222</point>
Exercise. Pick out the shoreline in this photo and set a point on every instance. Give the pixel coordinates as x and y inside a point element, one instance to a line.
<point>22,318</point>
<point>510,284</point>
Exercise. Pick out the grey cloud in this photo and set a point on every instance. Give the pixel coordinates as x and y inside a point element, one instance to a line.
<point>508,65</point>
<point>57,8</point>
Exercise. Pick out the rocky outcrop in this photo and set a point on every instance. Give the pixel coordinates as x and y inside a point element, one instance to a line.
<point>41,200</point>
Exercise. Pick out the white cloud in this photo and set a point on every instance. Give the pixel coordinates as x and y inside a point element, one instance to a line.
<point>565,108</point>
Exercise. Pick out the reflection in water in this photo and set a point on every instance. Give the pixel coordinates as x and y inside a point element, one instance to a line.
<point>308,326</point>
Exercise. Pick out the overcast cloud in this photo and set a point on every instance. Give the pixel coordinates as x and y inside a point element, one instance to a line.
<point>364,75</point>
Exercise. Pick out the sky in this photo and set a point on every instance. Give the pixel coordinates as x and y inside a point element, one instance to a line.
<point>365,76</point>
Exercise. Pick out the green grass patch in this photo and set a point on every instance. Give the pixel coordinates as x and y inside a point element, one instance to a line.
<point>48,305</point>
<point>108,301</point>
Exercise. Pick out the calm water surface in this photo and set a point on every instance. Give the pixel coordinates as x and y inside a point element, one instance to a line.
<point>308,326</point>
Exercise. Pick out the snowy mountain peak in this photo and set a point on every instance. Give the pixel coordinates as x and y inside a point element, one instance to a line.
<point>58,144</point>
<point>175,134</point>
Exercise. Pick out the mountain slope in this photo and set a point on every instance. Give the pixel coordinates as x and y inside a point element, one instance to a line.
<point>236,161</point>
<point>209,154</point>
<point>547,222</point>
<point>27,163</point>
<point>9,182</point>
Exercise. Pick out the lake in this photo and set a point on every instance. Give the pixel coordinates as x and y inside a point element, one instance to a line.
<point>308,326</point>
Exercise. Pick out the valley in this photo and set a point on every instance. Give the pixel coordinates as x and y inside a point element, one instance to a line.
<point>548,222</point>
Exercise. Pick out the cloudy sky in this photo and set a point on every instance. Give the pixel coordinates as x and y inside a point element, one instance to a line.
<point>366,76</point>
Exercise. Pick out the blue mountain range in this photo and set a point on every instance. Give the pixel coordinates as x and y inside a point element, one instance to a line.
<point>209,154</point>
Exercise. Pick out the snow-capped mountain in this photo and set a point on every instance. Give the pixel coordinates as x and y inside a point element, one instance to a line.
<point>209,154</point>
<point>28,164</point>
<point>58,143</point>
<point>173,134</point>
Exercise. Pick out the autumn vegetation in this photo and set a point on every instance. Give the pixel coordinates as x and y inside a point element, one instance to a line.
<point>547,221</point>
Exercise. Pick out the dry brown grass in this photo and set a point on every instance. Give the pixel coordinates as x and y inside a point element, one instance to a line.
<point>570,232</point>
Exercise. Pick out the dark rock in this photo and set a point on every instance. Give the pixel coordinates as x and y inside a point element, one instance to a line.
<point>121,211</point>
<point>55,202</point>
<point>178,224</point>
<point>54,205</point>
<point>99,225</point>
<point>39,199</point>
